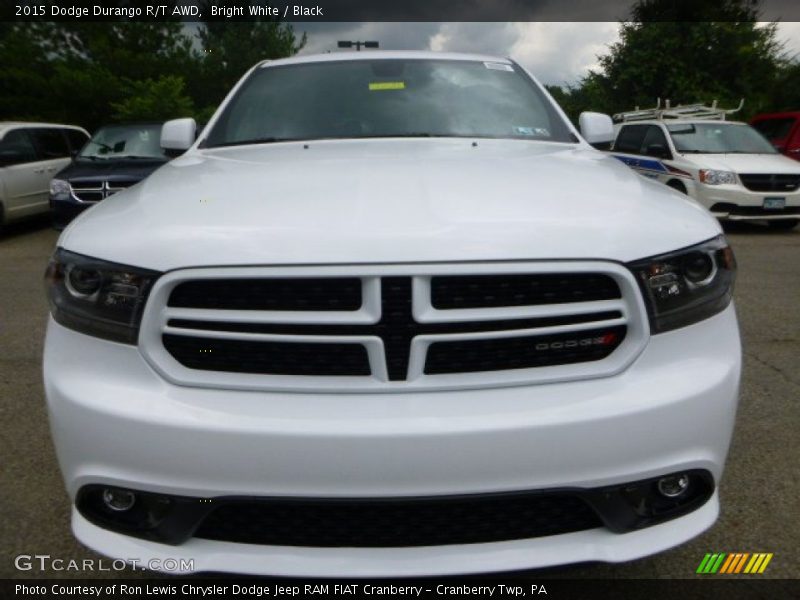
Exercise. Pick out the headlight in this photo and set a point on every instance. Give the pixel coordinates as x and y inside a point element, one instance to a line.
<point>687,286</point>
<point>96,297</point>
<point>60,189</point>
<point>712,177</point>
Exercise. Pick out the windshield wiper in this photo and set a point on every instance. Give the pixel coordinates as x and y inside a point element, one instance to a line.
<point>264,140</point>
<point>413,134</point>
<point>745,152</point>
<point>270,140</point>
<point>135,157</point>
<point>102,145</point>
<point>93,156</point>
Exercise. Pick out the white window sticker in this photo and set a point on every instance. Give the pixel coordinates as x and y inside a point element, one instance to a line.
<point>498,66</point>
<point>537,131</point>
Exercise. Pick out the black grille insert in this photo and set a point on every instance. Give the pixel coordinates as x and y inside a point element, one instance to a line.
<point>396,522</point>
<point>758,182</point>
<point>755,211</point>
<point>499,354</point>
<point>89,195</point>
<point>268,357</point>
<point>490,291</point>
<point>269,294</point>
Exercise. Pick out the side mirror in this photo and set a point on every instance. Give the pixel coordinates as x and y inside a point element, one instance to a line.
<point>658,151</point>
<point>596,128</point>
<point>178,134</point>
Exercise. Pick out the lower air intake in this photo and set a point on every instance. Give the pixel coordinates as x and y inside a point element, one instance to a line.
<point>398,523</point>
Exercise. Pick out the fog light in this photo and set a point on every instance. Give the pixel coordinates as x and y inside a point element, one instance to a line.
<point>674,485</point>
<point>118,500</point>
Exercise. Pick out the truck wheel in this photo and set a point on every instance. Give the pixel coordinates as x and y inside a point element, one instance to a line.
<point>677,185</point>
<point>784,225</point>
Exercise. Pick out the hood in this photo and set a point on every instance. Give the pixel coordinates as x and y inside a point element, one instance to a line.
<point>745,163</point>
<point>111,170</point>
<point>397,200</point>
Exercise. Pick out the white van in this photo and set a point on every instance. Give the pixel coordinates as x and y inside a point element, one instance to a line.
<point>30,154</point>
<point>726,166</point>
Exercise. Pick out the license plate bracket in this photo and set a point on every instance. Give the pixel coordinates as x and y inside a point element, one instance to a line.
<point>774,203</point>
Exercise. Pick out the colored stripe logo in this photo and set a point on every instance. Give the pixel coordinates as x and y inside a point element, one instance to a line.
<point>734,563</point>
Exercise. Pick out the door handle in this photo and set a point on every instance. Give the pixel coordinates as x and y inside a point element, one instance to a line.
<point>38,171</point>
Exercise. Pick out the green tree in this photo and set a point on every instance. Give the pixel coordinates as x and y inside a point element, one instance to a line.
<point>230,48</point>
<point>688,51</point>
<point>25,72</point>
<point>590,94</point>
<point>74,71</point>
<point>153,100</point>
<point>786,93</point>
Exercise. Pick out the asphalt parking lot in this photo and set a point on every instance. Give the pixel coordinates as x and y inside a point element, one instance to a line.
<point>759,492</point>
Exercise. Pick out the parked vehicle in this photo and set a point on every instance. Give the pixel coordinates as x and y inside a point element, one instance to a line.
<point>30,154</point>
<point>391,315</point>
<point>726,166</point>
<point>117,157</point>
<point>782,130</point>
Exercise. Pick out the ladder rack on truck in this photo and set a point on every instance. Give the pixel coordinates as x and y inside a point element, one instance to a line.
<point>688,111</point>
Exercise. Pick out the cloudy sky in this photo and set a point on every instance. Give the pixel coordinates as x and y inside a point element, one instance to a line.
<point>556,52</point>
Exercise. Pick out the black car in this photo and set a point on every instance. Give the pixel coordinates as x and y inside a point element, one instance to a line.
<point>117,157</point>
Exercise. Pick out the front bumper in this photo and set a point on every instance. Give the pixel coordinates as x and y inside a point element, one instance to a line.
<point>736,203</point>
<point>116,422</point>
<point>63,211</point>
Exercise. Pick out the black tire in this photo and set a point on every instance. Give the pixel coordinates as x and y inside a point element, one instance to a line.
<point>678,186</point>
<point>784,224</point>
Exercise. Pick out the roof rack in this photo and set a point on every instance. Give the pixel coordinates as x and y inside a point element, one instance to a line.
<point>688,111</point>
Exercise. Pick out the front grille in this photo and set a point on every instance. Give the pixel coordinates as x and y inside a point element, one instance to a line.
<point>269,294</point>
<point>96,190</point>
<point>491,291</point>
<point>522,352</point>
<point>758,182</point>
<point>381,329</point>
<point>396,523</point>
<point>273,358</point>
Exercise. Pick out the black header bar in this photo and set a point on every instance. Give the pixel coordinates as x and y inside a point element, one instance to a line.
<point>377,11</point>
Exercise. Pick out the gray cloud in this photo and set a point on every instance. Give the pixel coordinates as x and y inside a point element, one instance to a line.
<point>322,37</point>
<point>557,53</point>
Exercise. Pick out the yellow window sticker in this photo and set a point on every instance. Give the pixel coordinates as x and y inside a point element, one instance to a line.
<point>387,85</point>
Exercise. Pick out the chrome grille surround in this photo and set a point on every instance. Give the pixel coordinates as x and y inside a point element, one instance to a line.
<point>90,192</point>
<point>631,309</point>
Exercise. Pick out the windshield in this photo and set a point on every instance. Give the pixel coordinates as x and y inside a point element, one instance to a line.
<point>718,138</point>
<point>387,98</point>
<point>125,141</point>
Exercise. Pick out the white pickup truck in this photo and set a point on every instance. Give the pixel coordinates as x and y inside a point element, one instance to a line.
<point>391,315</point>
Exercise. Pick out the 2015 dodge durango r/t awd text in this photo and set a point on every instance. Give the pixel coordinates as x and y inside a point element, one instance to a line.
<point>391,314</point>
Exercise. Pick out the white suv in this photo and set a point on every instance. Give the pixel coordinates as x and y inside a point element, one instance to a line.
<point>391,315</point>
<point>727,166</point>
